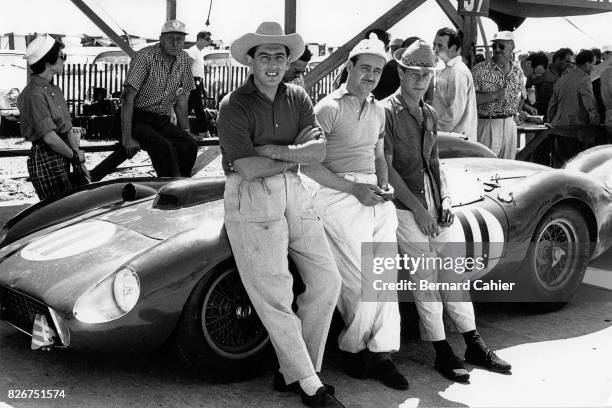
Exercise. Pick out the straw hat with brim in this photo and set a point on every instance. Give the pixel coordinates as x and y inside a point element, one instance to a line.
<point>267,33</point>
<point>38,48</point>
<point>419,56</point>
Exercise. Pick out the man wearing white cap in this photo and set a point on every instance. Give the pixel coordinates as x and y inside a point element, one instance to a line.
<point>359,221</point>
<point>500,95</point>
<point>424,212</point>
<point>266,130</point>
<point>159,80</point>
<point>45,121</point>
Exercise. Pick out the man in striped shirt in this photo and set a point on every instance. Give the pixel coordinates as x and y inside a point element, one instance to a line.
<point>159,80</point>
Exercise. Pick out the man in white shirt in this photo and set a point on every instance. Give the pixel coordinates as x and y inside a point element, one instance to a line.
<point>197,67</point>
<point>454,98</point>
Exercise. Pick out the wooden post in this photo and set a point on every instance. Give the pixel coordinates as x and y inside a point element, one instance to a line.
<point>170,10</point>
<point>470,35</point>
<point>80,4</point>
<point>290,16</point>
<point>384,22</point>
<point>452,14</point>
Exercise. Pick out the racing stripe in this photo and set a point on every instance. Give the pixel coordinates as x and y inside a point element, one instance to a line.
<point>484,231</point>
<point>469,236</point>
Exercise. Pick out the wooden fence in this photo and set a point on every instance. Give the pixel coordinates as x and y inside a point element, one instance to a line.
<point>79,80</point>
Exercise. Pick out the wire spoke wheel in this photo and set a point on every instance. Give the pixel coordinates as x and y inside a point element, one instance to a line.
<point>556,253</point>
<point>229,322</point>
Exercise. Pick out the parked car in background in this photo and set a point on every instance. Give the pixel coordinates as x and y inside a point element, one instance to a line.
<point>13,78</point>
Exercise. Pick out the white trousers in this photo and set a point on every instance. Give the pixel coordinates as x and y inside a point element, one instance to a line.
<point>499,135</point>
<point>374,325</point>
<point>432,303</point>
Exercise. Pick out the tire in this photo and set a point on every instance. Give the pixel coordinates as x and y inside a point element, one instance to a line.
<point>219,335</point>
<point>557,259</point>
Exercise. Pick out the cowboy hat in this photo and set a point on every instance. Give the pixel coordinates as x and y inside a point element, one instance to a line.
<point>267,33</point>
<point>419,55</point>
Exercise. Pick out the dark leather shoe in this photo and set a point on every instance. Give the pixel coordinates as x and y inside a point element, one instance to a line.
<point>485,357</point>
<point>452,368</point>
<point>358,365</point>
<point>388,374</point>
<point>323,398</point>
<point>278,383</point>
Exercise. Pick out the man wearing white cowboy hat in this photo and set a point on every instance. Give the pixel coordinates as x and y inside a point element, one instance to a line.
<point>159,80</point>
<point>359,221</point>
<point>266,130</point>
<point>424,210</point>
<point>500,95</point>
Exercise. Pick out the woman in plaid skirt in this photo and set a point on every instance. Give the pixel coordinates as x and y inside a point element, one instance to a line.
<point>45,121</point>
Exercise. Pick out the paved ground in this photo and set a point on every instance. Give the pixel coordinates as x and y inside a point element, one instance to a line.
<point>559,359</point>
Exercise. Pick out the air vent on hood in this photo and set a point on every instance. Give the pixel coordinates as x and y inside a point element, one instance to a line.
<point>188,192</point>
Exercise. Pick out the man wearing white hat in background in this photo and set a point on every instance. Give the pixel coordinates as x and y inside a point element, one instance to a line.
<point>45,121</point>
<point>358,219</point>
<point>266,130</point>
<point>159,80</point>
<point>500,95</point>
<point>424,211</point>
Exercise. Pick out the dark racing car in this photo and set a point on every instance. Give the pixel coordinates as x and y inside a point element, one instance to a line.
<point>133,265</point>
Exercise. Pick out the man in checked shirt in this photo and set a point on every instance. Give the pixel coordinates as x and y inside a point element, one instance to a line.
<point>160,79</point>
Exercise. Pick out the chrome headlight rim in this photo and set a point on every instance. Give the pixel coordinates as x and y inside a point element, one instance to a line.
<point>99,304</point>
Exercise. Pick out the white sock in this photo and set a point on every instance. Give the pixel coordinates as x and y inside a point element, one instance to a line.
<point>311,384</point>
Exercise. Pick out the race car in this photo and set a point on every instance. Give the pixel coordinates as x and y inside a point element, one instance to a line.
<point>131,265</point>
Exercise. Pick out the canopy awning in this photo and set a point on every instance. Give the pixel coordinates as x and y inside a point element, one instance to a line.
<point>509,14</point>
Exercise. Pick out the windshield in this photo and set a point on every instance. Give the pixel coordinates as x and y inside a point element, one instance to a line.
<point>12,59</point>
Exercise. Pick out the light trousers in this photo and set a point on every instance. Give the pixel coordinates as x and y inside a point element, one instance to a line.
<point>431,304</point>
<point>499,135</point>
<point>268,220</point>
<point>374,325</point>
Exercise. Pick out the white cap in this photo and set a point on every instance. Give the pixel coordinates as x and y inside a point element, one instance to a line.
<point>606,48</point>
<point>372,46</point>
<point>38,48</point>
<point>503,36</point>
<point>173,26</point>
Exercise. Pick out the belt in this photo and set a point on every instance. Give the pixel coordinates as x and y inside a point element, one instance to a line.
<point>494,116</point>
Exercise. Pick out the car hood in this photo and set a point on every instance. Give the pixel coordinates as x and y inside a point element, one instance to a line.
<point>469,179</point>
<point>59,266</point>
<point>161,224</point>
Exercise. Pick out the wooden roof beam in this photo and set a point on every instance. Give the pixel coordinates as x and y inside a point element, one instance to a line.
<point>452,14</point>
<point>80,4</point>
<point>384,22</point>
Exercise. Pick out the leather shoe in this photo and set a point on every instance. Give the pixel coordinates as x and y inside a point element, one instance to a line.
<point>388,374</point>
<point>358,365</point>
<point>278,383</point>
<point>324,397</point>
<point>485,357</point>
<point>452,368</point>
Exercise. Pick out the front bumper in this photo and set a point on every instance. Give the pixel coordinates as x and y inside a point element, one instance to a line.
<point>10,114</point>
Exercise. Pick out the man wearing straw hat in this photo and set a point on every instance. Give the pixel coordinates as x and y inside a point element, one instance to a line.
<point>424,210</point>
<point>160,79</point>
<point>360,223</point>
<point>266,130</point>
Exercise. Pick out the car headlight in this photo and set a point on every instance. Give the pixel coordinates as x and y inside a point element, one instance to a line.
<point>13,93</point>
<point>112,298</point>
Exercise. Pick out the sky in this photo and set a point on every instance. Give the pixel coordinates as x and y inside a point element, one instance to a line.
<point>325,21</point>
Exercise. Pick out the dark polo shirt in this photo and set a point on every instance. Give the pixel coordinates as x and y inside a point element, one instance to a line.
<point>410,137</point>
<point>248,119</point>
